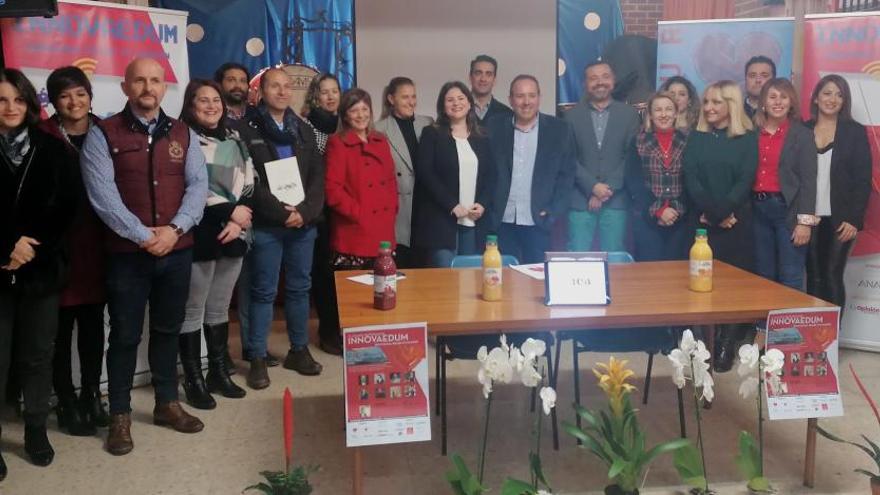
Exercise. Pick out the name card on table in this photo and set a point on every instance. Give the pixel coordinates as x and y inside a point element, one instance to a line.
<point>577,278</point>
<point>284,181</point>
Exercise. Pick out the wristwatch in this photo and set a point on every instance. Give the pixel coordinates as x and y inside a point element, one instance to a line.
<point>177,230</point>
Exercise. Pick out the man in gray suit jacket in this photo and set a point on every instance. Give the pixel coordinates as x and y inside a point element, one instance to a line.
<point>404,129</point>
<point>604,131</point>
<point>535,155</point>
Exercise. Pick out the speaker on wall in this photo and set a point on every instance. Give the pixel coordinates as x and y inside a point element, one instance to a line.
<point>28,8</point>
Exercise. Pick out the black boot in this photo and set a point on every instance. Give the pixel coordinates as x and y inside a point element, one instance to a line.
<point>218,373</point>
<point>3,470</point>
<point>37,446</point>
<point>92,406</point>
<point>230,364</point>
<point>71,417</point>
<point>725,350</point>
<point>197,394</point>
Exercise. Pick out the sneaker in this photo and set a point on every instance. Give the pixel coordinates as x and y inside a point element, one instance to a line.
<point>301,361</point>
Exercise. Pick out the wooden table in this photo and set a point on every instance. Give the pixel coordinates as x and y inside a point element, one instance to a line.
<point>642,294</point>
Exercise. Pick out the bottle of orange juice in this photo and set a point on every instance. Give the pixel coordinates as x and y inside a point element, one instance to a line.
<point>701,263</point>
<point>492,270</point>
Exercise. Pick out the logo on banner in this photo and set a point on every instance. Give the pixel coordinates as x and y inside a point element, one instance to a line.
<point>175,150</point>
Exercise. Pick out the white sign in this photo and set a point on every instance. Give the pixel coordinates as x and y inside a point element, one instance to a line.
<point>576,282</point>
<point>386,384</point>
<point>284,181</point>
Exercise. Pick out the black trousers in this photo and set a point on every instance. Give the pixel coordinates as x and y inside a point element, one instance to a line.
<point>323,289</point>
<point>826,261</point>
<point>89,319</point>
<point>27,339</point>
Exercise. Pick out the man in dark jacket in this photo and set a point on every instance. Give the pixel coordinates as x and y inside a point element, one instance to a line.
<point>482,76</point>
<point>146,178</point>
<point>535,156</point>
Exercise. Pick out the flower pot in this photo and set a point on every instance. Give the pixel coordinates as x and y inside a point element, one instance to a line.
<point>616,490</point>
<point>875,486</point>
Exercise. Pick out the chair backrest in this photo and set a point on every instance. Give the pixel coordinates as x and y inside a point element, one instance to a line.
<point>620,257</point>
<point>476,260</point>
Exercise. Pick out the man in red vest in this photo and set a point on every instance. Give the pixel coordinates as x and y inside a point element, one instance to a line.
<point>146,178</point>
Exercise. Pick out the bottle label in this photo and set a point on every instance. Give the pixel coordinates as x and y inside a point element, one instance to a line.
<point>385,285</point>
<point>492,276</point>
<point>701,268</point>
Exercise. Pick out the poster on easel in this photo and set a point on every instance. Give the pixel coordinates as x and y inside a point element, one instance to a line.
<point>809,386</point>
<point>386,384</point>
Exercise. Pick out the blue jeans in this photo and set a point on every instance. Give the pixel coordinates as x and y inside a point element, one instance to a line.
<point>582,226</point>
<point>133,280</point>
<point>776,257</point>
<point>273,247</point>
<point>466,243</point>
<point>527,243</point>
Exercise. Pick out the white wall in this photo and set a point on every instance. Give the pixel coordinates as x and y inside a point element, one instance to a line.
<point>433,41</point>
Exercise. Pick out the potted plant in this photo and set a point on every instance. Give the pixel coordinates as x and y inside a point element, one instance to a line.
<point>869,447</point>
<point>614,436</point>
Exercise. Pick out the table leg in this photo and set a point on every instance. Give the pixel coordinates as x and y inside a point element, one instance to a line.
<point>810,456</point>
<point>357,475</point>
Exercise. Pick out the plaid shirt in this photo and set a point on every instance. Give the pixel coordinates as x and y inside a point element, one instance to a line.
<point>666,183</point>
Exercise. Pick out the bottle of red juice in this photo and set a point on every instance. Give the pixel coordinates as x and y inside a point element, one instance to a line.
<point>384,278</point>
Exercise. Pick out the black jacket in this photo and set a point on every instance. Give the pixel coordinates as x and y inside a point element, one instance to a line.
<point>553,175</point>
<point>495,108</point>
<point>436,189</point>
<point>850,173</point>
<point>311,170</point>
<point>38,201</point>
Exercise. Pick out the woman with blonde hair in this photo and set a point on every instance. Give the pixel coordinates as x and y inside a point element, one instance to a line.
<point>719,169</point>
<point>784,192</point>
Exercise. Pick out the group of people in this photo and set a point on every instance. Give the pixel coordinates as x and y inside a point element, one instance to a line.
<point>141,208</point>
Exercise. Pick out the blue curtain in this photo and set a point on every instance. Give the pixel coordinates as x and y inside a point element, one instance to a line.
<point>259,33</point>
<point>583,29</point>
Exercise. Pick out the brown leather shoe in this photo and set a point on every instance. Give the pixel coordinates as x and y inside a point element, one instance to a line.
<point>258,376</point>
<point>119,440</point>
<point>173,415</point>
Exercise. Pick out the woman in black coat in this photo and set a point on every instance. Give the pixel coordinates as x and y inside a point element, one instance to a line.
<point>843,186</point>
<point>454,180</point>
<point>38,207</point>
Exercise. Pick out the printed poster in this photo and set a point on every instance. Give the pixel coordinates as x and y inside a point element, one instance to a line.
<point>809,384</point>
<point>386,384</point>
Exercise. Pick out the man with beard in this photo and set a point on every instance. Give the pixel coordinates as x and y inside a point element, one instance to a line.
<point>233,80</point>
<point>482,76</point>
<point>146,179</point>
<point>604,132</point>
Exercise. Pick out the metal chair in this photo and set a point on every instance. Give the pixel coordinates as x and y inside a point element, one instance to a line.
<point>466,347</point>
<point>649,340</point>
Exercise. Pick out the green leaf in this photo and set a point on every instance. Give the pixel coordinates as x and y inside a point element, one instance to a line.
<point>461,479</point>
<point>262,487</point>
<point>865,472</point>
<point>535,463</point>
<point>587,415</point>
<point>670,446</point>
<point>835,438</point>
<point>617,467</point>
<point>748,460</point>
<point>760,484</point>
<point>516,487</point>
<point>689,465</point>
<point>589,442</point>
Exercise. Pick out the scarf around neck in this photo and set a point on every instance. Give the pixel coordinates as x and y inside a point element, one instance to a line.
<point>323,120</point>
<point>15,145</point>
<point>287,135</point>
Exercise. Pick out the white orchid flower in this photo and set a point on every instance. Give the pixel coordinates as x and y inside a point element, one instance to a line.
<point>749,355</point>
<point>688,344</point>
<point>529,375</point>
<point>485,381</point>
<point>543,492</point>
<point>748,387</point>
<point>503,340</point>
<point>773,361</point>
<point>516,359</point>
<point>532,349</point>
<point>679,360</point>
<point>548,399</point>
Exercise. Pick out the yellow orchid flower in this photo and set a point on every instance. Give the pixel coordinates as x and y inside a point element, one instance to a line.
<point>613,382</point>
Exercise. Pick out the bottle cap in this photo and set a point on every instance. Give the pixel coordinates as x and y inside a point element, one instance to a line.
<point>385,245</point>
<point>702,233</point>
<point>492,238</point>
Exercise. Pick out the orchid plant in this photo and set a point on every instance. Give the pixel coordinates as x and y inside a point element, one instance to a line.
<point>755,369</point>
<point>501,365</point>
<point>614,436</point>
<point>690,362</point>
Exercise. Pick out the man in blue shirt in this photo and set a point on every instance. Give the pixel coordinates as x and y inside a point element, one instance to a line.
<point>146,179</point>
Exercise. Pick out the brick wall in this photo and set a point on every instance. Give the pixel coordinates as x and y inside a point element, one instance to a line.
<point>641,16</point>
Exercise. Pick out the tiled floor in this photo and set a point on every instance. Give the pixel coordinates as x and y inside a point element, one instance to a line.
<point>243,437</point>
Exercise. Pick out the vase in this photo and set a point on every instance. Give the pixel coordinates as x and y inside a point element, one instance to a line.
<point>875,486</point>
<point>617,490</point>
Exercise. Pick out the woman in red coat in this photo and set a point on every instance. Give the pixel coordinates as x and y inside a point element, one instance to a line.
<point>360,186</point>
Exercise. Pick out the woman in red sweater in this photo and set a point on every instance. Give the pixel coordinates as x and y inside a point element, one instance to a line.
<point>360,186</point>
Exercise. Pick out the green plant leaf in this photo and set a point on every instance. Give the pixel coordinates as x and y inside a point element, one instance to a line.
<point>836,438</point>
<point>587,415</point>
<point>876,449</point>
<point>670,446</point>
<point>589,442</point>
<point>759,484</point>
<point>535,464</point>
<point>516,487</point>
<point>689,465</point>
<point>617,467</point>
<point>261,487</point>
<point>865,472</point>
<point>748,460</point>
